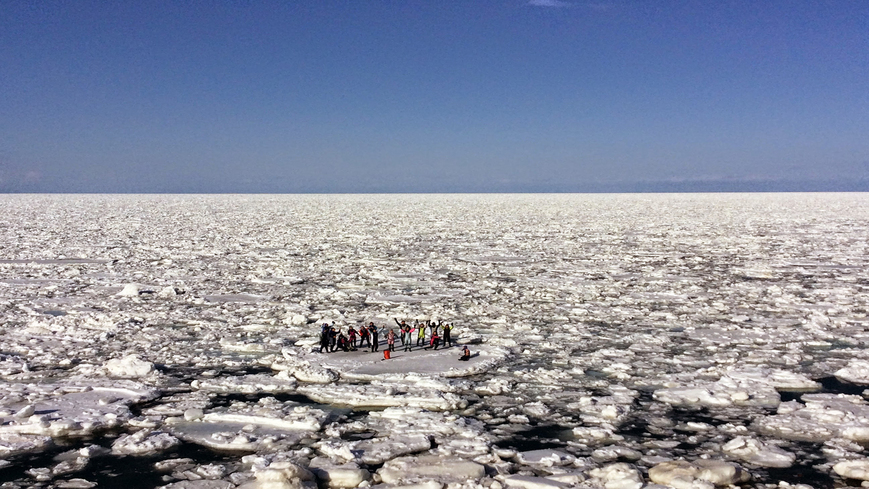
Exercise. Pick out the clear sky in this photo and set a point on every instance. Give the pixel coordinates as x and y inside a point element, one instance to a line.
<point>433,96</point>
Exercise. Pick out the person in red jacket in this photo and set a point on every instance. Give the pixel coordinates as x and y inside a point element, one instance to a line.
<point>352,334</point>
<point>435,339</point>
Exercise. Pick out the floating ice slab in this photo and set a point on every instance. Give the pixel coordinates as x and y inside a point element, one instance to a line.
<point>546,458</point>
<point>443,469</point>
<point>365,365</point>
<point>682,474</point>
<point>339,475</point>
<point>12,444</point>
<point>305,370</point>
<point>759,453</point>
<point>394,432</point>
<point>532,482</point>
<point>782,380</point>
<point>382,394</point>
<point>242,427</point>
<point>281,473</point>
<point>130,366</point>
<point>77,410</point>
<point>736,388</point>
<point>822,418</point>
<point>247,384</point>
<point>618,476</point>
<point>856,372</point>
<point>144,442</point>
<point>853,469</point>
<point>610,410</point>
<point>200,484</point>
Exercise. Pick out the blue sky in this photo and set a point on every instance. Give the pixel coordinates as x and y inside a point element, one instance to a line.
<point>433,96</point>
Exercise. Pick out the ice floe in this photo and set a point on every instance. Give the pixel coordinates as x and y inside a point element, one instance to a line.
<point>682,474</point>
<point>414,469</point>
<point>857,371</point>
<point>757,452</point>
<point>822,417</point>
<point>249,427</point>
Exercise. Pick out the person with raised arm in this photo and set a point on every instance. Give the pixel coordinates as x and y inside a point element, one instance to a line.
<point>433,327</point>
<point>409,345</point>
<point>401,327</point>
<point>435,339</point>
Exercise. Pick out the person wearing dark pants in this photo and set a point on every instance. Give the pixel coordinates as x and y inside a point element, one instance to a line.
<point>375,341</point>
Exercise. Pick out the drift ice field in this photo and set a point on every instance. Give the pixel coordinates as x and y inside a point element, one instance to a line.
<point>619,341</point>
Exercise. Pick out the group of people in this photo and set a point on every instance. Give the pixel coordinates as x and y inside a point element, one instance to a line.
<point>332,339</point>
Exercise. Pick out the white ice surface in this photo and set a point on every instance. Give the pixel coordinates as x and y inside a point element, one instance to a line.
<point>822,418</point>
<point>241,427</point>
<point>144,442</point>
<point>402,470</point>
<point>853,469</point>
<point>758,453</point>
<point>857,371</point>
<point>339,475</point>
<point>635,329</point>
<point>682,474</point>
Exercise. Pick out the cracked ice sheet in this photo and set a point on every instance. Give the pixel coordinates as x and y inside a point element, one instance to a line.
<point>668,284</point>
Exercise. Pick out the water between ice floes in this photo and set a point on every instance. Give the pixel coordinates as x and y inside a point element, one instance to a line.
<point>153,340</point>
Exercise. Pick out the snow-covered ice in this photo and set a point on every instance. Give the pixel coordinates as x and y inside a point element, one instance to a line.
<point>618,341</point>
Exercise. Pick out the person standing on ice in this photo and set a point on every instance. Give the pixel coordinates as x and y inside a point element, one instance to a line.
<point>432,327</point>
<point>364,336</point>
<point>333,338</point>
<point>420,330</point>
<point>409,345</point>
<point>375,341</point>
<point>401,327</point>
<point>390,340</point>
<point>447,340</point>
<point>352,334</point>
<point>324,338</point>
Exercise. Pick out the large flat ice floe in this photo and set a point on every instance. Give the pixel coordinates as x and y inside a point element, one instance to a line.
<point>364,364</point>
<point>617,341</point>
<point>267,424</point>
<point>739,387</point>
